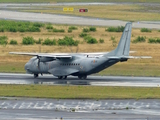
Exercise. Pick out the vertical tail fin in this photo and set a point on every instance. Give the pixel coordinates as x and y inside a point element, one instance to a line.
<point>124,43</point>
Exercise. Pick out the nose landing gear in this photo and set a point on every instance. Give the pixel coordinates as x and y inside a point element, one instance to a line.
<point>35,75</point>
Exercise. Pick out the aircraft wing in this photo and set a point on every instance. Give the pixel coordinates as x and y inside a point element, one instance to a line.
<point>47,55</point>
<point>60,54</point>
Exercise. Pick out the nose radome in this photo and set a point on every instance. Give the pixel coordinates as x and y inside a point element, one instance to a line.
<point>26,66</point>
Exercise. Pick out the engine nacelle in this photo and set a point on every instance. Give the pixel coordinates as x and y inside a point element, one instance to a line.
<point>46,59</point>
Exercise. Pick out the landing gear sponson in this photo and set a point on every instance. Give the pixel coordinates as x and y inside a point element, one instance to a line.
<point>65,77</point>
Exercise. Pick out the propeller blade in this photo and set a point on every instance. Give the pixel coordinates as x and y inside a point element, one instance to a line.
<point>38,61</point>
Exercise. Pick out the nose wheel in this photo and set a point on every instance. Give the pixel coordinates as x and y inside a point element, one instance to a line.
<point>35,75</point>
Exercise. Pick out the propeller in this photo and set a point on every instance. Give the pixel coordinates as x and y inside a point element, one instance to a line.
<point>38,61</point>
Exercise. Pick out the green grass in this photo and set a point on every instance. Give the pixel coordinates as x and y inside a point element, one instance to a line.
<point>131,12</point>
<point>36,1</point>
<point>18,26</point>
<point>125,69</point>
<point>78,92</point>
<point>12,67</point>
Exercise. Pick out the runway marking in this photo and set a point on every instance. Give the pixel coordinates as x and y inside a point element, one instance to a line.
<point>89,106</point>
<point>15,105</point>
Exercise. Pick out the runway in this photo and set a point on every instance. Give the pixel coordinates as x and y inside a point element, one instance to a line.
<point>71,20</point>
<point>8,78</point>
<point>10,12</point>
<point>49,109</point>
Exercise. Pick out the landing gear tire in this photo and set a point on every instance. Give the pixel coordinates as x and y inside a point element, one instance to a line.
<point>84,77</point>
<point>35,75</point>
<point>80,77</point>
<point>60,77</point>
<point>64,77</point>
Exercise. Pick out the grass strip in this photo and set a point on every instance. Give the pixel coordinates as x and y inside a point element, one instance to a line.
<point>78,92</point>
<point>129,12</point>
<point>37,1</point>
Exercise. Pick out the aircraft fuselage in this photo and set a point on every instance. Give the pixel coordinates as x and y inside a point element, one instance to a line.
<point>84,65</point>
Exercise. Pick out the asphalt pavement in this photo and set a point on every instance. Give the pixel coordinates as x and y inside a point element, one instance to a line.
<point>9,78</point>
<point>71,20</point>
<point>50,109</point>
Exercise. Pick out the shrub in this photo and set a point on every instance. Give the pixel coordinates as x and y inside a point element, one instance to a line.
<point>111,29</point>
<point>12,29</point>
<point>38,24</point>
<point>28,41</point>
<point>114,42</point>
<point>68,41</point>
<point>22,29</point>
<point>69,30</point>
<point>83,35</point>
<point>39,41</point>
<point>73,28</point>
<point>145,30</point>
<point>13,42</point>
<point>139,39</point>
<point>115,29</point>
<point>49,27</point>
<point>120,29</point>
<point>152,40</point>
<point>158,40</point>
<point>1,29</point>
<point>85,30</point>
<point>33,29</point>
<point>87,38</point>
<point>3,40</point>
<point>112,38</point>
<point>15,26</point>
<point>90,40</point>
<point>93,29</point>
<point>58,30</point>
<point>49,42</point>
<point>101,41</point>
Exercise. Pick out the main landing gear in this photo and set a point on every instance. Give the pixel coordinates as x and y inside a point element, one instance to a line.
<point>82,77</point>
<point>62,77</point>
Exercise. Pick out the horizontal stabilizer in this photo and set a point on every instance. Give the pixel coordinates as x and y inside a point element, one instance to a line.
<point>129,57</point>
<point>138,57</point>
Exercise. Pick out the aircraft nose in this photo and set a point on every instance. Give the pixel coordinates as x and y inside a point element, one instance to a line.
<point>27,66</point>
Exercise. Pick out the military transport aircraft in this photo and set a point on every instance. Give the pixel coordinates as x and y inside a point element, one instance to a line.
<point>62,65</point>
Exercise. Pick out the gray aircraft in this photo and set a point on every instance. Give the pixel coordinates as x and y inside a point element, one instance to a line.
<point>62,65</point>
